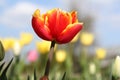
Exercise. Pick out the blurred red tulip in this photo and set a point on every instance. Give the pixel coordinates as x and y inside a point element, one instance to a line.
<point>56,25</point>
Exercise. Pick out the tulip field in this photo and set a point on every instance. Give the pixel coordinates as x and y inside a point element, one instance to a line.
<point>64,51</point>
<point>74,59</point>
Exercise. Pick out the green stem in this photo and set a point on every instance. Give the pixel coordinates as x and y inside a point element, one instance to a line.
<point>50,56</point>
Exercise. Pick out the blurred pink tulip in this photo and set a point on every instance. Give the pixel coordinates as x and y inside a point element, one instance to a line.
<point>32,56</point>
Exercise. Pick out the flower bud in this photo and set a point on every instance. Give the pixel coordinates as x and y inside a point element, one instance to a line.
<point>92,68</point>
<point>116,67</point>
<point>16,48</point>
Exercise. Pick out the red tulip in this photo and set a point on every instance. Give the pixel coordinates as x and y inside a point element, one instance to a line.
<point>56,25</point>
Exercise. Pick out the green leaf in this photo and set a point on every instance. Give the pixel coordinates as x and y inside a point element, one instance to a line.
<point>28,78</point>
<point>1,66</point>
<point>2,52</point>
<point>5,70</point>
<point>3,75</point>
<point>63,78</point>
<point>35,77</point>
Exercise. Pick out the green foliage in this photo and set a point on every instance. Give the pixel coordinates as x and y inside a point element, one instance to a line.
<point>63,78</point>
<point>3,73</point>
<point>75,67</point>
<point>2,52</point>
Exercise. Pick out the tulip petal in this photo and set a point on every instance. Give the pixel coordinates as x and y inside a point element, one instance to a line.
<point>68,34</point>
<point>63,20</point>
<point>41,30</point>
<point>74,16</point>
<point>52,14</point>
<point>58,20</point>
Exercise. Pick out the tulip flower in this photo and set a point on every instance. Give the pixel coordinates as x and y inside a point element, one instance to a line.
<point>32,56</point>
<point>8,43</point>
<point>100,53</point>
<point>60,56</point>
<point>116,68</point>
<point>43,46</point>
<point>75,38</point>
<point>16,48</point>
<point>92,68</point>
<point>25,38</point>
<point>86,38</point>
<point>56,25</point>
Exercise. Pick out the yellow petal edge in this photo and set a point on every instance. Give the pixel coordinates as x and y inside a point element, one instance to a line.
<point>36,13</point>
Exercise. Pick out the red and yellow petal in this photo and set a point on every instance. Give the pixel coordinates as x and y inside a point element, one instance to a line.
<point>68,34</point>
<point>63,20</point>
<point>58,20</point>
<point>41,30</point>
<point>74,16</point>
<point>51,15</point>
<point>37,13</point>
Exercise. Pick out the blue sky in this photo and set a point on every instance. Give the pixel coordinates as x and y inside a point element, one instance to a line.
<point>15,17</point>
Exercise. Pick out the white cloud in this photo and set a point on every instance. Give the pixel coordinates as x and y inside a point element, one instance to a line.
<point>19,15</point>
<point>2,3</point>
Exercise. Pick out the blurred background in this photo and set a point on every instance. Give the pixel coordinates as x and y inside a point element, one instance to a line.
<point>93,49</point>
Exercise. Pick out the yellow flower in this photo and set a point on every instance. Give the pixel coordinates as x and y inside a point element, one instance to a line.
<point>8,43</point>
<point>116,67</point>
<point>16,47</point>
<point>43,46</point>
<point>100,53</point>
<point>75,38</point>
<point>25,38</point>
<point>60,56</point>
<point>86,38</point>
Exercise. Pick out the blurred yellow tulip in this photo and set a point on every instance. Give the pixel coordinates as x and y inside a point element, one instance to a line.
<point>75,38</point>
<point>60,56</point>
<point>116,67</point>
<point>25,38</point>
<point>8,43</point>
<point>43,46</point>
<point>16,47</point>
<point>86,38</point>
<point>100,53</point>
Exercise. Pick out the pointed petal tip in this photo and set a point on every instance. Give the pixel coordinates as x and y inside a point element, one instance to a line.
<point>36,13</point>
